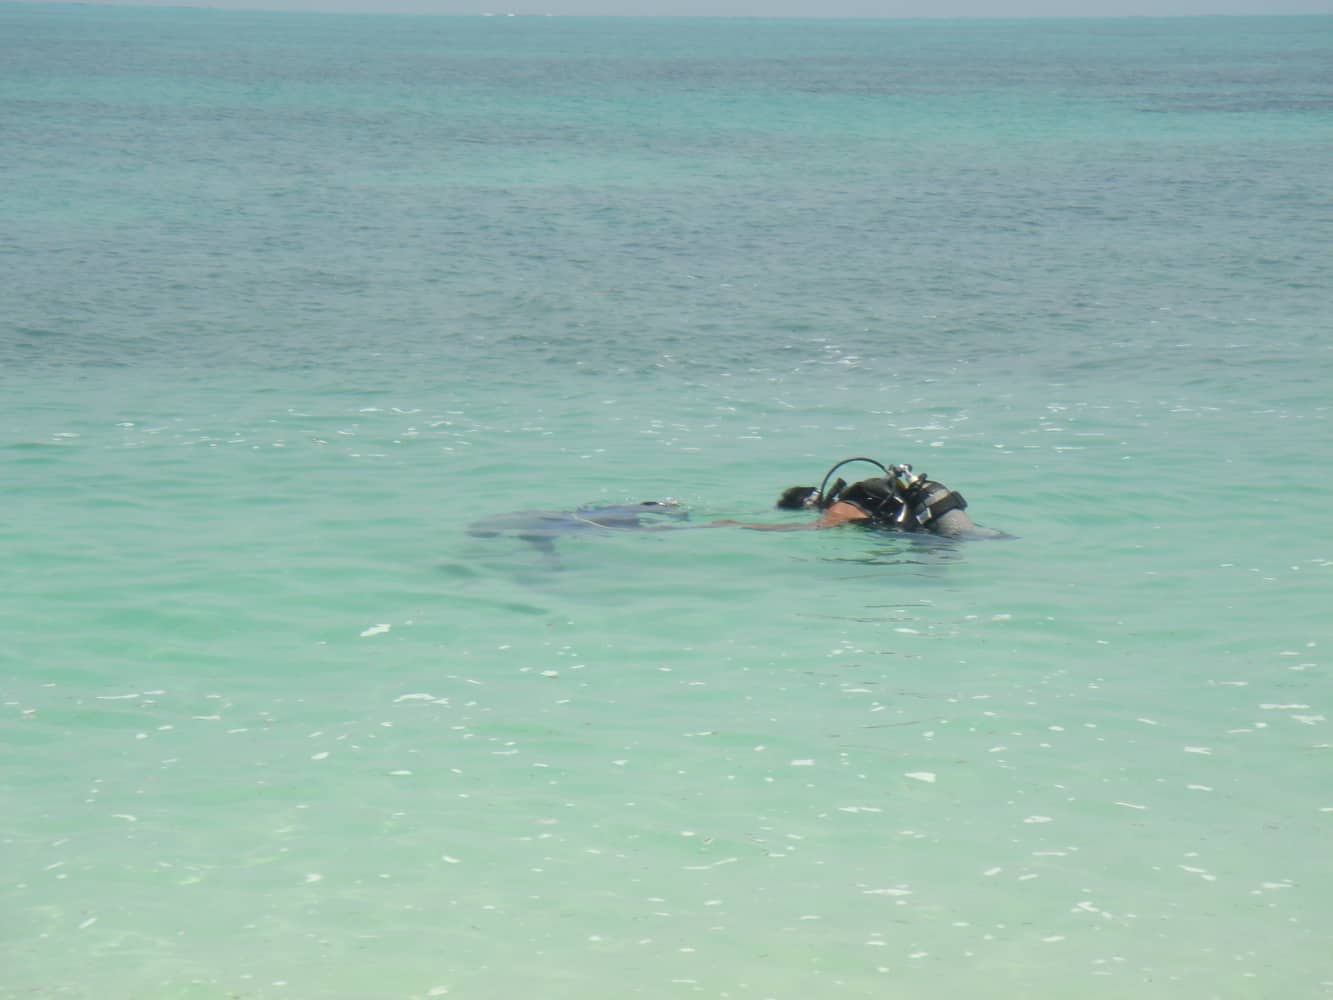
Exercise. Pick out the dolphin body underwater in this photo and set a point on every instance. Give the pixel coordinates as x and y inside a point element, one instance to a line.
<point>541,528</point>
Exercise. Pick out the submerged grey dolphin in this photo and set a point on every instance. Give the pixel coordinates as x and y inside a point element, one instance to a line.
<point>540,528</point>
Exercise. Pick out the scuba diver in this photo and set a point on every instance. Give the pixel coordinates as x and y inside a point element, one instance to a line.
<point>898,500</point>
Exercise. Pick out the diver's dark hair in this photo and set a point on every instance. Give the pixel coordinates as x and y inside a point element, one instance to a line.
<point>795,497</point>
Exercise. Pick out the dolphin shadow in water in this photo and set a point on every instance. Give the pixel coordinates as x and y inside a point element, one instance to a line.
<point>541,528</point>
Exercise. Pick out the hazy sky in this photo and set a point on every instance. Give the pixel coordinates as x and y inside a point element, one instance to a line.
<point>781,8</point>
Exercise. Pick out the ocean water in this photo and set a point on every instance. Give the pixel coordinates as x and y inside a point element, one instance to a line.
<point>290,301</point>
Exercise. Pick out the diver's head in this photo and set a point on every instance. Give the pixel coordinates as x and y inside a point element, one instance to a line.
<point>799,498</point>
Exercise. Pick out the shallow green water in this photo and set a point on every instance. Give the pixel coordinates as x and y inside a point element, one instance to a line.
<point>276,725</point>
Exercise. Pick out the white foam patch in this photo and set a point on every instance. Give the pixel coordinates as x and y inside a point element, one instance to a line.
<point>926,776</point>
<point>376,630</point>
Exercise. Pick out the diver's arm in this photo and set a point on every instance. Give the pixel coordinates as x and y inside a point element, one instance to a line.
<point>839,513</point>
<point>762,527</point>
<point>842,513</point>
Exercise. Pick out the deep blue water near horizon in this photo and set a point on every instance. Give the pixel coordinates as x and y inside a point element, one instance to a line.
<point>292,300</point>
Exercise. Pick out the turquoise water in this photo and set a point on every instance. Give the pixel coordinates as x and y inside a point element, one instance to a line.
<point>291,300</point>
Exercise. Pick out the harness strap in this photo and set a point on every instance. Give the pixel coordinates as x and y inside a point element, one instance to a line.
<point>931,501</point>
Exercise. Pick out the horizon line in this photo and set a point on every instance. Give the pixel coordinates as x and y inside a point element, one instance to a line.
<point>216,8</point>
